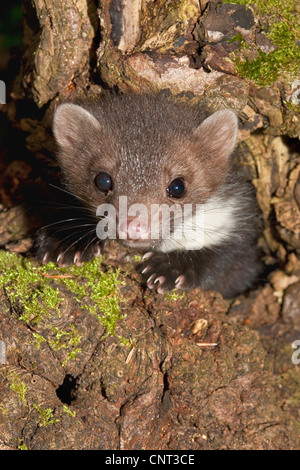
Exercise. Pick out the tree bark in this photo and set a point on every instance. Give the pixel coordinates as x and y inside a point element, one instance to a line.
<point>191,372</point>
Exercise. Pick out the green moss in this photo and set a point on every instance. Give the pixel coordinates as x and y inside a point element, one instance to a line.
<point>175,295</point>
<point>34,293</point>
<point>45,416</point>
<point>67,410</point>
<point>64,339</point>
<point>34,288</point>
<point>126,342</point>
<point>39,339</point>
<point>26,289</point>
<point>22,447</point>
<point>264,7</point>
<point>19,388</point>
<point>283,30</point>
<point>101,288</point>
<point>3,410</point>
<point>238,37</point>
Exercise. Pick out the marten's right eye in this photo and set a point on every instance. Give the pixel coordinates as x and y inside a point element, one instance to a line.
<point>103,182</point>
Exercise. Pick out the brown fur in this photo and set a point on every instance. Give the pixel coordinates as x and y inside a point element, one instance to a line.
<point>144,142</point>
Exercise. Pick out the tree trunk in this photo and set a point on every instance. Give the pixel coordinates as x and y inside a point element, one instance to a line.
<point>190,372</point>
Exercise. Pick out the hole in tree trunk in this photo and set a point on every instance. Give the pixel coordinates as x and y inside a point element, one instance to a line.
<point>66,392</point>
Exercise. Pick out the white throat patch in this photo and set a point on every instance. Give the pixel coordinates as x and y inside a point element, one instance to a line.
<point>213,223</point>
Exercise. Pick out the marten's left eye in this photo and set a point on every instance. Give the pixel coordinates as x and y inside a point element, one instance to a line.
<point>176,188</point>
<point>103,182</point>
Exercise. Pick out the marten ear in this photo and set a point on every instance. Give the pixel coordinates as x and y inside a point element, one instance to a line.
<point>217,136</point>
<point>71,123</point>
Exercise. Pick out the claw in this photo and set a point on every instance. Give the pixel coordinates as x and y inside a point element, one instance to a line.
<point>146,269</point>
<point>160,280</point>
<point>60,261</point>
<point>77,259</point>
<point>45,258</point>
<point>160,290</point>
<point>96,251</point>
<point>147,255</point>
<point>179,283</point>
<point>150,284</point>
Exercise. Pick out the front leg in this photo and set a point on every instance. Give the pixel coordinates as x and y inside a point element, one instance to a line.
<point>228,268</point>
<point>166,271</point>
<point>72,250</point>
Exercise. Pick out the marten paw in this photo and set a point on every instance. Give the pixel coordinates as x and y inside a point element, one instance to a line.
<point>49,249</point>
<point>161,273</point>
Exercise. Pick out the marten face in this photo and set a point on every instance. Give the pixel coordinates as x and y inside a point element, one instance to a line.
<point>143,161</point>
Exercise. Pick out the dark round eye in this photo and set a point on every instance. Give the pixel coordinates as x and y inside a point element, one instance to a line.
<point>176,188</point>
<point>103,182</point>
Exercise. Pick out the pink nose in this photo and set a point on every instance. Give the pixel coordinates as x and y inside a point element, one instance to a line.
<point>133,229</point>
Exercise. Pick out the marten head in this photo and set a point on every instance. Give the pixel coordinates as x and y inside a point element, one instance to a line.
<point>146,151</point>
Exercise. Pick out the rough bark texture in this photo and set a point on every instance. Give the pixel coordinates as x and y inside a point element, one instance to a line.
<point>195,372</point>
